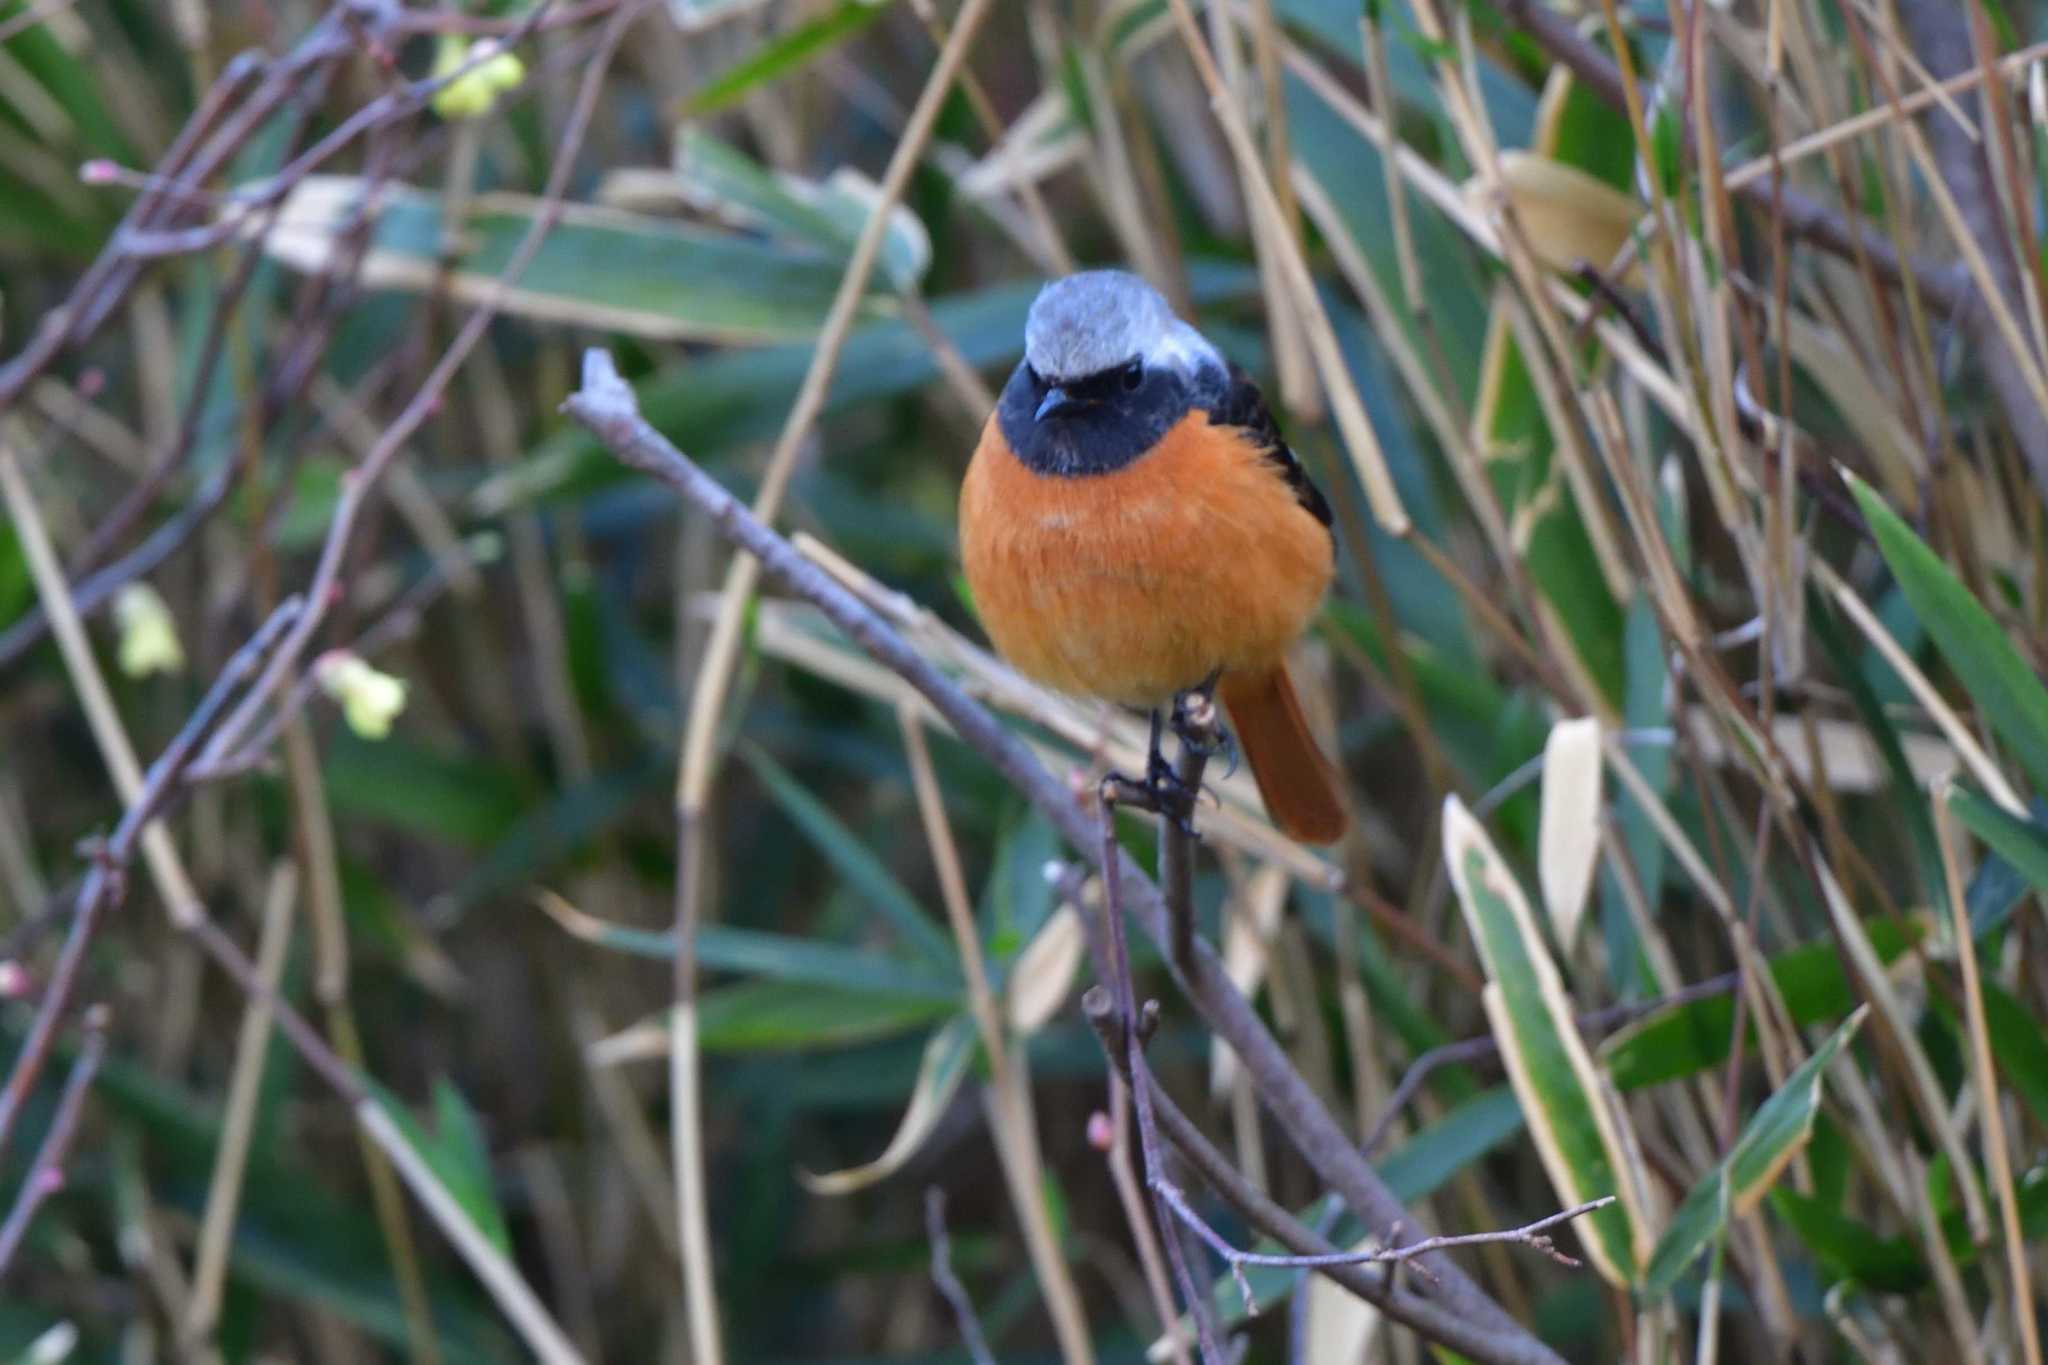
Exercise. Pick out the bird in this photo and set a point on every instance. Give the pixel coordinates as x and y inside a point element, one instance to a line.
<point>1134,528</point>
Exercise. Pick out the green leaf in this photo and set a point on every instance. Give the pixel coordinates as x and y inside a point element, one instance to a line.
<point>1975,645</point>
<point>1427,1161</point>
<point>1851,1250</point>
<point>827,215</point>
<point>601,268</point>
<point>465,1162</point>
<point>1878,722</point>
<point>1687,1039</point>
<point>1578,1132</point>
<point>784,54</point>
<point>2020,1045</point>
<point>757,1016</point>
<point>1773,1136</point>
<point>1667,153</point>
<point>779,957</point>
<point>456,1152</point>
<point>2022,843</point>
<point>869,877</point>
<point>441,795</point>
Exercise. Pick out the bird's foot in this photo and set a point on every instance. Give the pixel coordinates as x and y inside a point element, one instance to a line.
<point>1159,791</point>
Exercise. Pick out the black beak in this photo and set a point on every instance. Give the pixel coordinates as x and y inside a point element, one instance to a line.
<point>1056,398</point>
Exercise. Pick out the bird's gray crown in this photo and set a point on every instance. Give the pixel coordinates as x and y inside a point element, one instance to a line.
<point>1100,319</point>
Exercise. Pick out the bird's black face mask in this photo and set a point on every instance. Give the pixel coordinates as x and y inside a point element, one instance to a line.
<point>1097,423</point>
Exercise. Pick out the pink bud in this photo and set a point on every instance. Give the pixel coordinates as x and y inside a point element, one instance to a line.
<point>14,980</point>
<point>91,383</point>
<point>1101,1132</point>
<point>53,1180</point>
<point>99,171</point>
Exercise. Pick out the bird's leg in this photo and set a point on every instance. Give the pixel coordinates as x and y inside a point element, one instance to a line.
<point>1162,790</point>
<point>1199,727</point>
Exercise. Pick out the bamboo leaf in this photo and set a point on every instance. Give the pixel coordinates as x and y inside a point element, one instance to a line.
<point>1569,838</point>
<point>759,953</point>
<point>1568,214</point>
<point>784,54</point>
<point>777,1016</point>
<point>2022,843</point>
<point>2020,1045</point>
<point>456,1152</point>
<point>599,267</point>
<point>1975,645</point>
<point>1043,974</point>
<point>939,1074</point>
<point>1685,1040</point>
<point>1577,1132</point>
<point>1849,1249</point>
<point>852,859</point>
<point>827,215</point>
<point>1771,1139</point>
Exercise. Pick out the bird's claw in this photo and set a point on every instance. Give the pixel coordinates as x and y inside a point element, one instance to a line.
<point>1160,791</point>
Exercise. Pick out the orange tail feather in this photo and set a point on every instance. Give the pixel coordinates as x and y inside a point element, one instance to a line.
<point>1298,784</point>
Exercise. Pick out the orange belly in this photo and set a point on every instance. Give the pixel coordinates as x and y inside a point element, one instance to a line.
<point>1136,584</point>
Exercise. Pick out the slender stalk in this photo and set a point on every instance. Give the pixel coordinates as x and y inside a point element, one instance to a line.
<point>713,680</point>
<point>252,1045</point>
<point>1991,1112</point>
<point>1008,1109</point>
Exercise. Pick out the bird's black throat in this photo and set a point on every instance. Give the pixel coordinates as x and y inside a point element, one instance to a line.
<point>1109,422</point>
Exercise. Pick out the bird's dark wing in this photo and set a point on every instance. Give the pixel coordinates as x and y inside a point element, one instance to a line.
<point>1242,405</point>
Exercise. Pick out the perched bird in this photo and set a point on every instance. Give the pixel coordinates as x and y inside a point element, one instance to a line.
<point>1134,528</point>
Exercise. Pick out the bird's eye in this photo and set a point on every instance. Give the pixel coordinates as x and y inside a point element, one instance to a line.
<point>1133,374</point>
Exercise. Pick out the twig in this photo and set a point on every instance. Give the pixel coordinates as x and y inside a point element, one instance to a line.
<point>400,621</point>
<point>357,482</point>
<point>605,405</point>
<point>1130,1034</point>
<point>46,1172</point>
<point>1125,1177</point>
<point>30,17</point>
<point>1486,1045</point>
<point>103,885</point>
<point>1425,1314</point>
<point>948,1283</point>
<point>1940,34</point>
<point>1100,1013</point>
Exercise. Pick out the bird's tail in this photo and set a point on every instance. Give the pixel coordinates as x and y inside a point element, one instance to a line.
<point>1298,784</point>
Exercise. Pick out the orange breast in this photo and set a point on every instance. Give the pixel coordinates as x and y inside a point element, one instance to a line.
<point>1135,584</point>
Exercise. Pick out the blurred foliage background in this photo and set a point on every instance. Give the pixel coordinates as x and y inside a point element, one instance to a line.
<point>1677,374</point>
